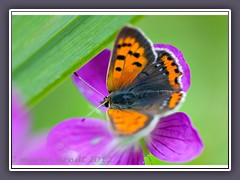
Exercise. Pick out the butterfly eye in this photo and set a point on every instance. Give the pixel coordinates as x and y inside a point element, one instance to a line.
<point>106,104</point>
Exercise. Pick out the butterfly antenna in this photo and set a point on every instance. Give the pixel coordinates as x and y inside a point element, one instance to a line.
<point>88,84</point>
<point>91,112</point>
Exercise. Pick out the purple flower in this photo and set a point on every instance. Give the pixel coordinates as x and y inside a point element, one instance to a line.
<point>27,148</point>
<point>174,139</point>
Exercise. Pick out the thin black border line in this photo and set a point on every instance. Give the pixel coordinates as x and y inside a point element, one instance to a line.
<point>128,168</point>
<point>229,67</point>
<point>93,169</point>
<point>122,11</point>
<point>120,168</point>
<point>11,89</point>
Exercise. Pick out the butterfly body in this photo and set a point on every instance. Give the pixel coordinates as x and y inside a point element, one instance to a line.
<point>130,99</point>
<point>144,83</point>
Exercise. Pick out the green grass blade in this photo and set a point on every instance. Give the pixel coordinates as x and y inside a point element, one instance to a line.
<point>57,51</point>
<point>29,33</point>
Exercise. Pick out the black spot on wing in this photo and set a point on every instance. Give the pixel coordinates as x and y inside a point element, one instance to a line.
<point>176,80</point>
<point>121,57</point>
<point>138,64</point>
<point>136,55</point>
<point>123,45</point>
<point>118,69</point>
<point>130,52</point>
<point>176,70</point>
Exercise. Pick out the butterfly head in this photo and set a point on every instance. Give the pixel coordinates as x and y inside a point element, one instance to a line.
<point>105,102</point>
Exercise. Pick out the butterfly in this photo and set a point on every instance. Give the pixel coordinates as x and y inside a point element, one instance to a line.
<point>143,82</point>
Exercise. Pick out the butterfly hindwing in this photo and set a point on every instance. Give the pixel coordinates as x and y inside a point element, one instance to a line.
<point>171,68</point>
<point>131,54</point>
<point>127,122</point>
<point>161,83</point>
<point>164,74</point>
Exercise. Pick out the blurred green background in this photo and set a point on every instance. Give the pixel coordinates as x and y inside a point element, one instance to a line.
<point>204,43</point>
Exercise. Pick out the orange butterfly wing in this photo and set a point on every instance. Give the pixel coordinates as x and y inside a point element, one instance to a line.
<point>127,122</point>
<point>132,52</point>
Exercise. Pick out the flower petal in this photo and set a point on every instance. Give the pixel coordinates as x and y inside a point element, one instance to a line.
<point>27,148</point>
<point>20,124</point>
<point>35,152</point>
<point>39,156</point>
<point>186,81</point>
<point>175,139</point>
<point>89,142</point>
<point>94,73</point>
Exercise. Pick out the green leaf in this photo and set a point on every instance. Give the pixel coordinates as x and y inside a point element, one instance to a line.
<point>48,49</point>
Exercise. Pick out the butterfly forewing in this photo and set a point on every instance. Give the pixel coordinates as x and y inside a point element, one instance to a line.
<point>132,52</point>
